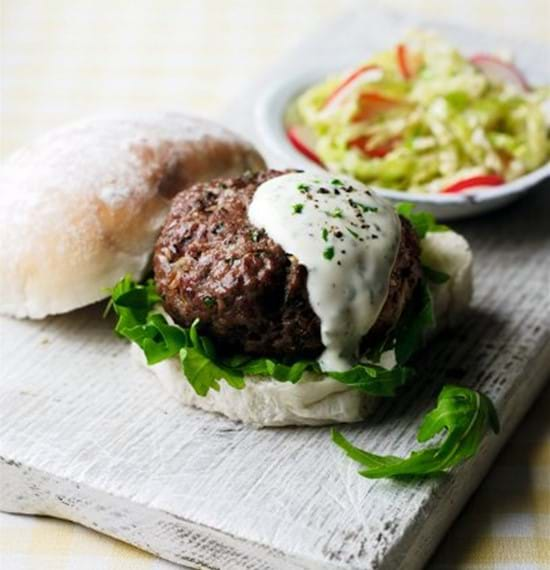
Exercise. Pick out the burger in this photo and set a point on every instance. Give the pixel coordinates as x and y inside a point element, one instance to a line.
<point>275,298</point>
<point>286,298</point>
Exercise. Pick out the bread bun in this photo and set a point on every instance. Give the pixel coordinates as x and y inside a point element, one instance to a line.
<point>321,400</point>
<point>265,402</point>
<point>83,205</point>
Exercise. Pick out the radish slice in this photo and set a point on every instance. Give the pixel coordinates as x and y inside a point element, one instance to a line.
<point>303,141</point>
<point>474,182</point>
<point>500,71</point>
<point>365,74</point>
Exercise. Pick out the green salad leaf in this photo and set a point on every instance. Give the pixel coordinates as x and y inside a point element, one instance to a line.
<point>283,372</point>
<point>133,303</point>
<point>374,379</point>
<point>435,276</point>
<point>464,414</point>
<point>139,320</point>
<point>408,335</point>
<point>417,318</point>
<point>422,222</point>
<point>202,369</point>
<point>200,364</point>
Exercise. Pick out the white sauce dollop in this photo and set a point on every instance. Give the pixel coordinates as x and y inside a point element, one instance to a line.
<point>347,237</point>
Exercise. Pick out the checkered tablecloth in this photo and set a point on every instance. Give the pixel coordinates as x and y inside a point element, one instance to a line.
<point>62,59</point>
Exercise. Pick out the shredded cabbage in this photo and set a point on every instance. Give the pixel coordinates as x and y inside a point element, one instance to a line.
<point>447,121</point>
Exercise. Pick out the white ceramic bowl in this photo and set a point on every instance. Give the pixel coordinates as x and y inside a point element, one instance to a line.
<point>270,110</point>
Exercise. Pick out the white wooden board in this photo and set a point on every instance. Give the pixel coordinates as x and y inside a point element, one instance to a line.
<point>88,436</point>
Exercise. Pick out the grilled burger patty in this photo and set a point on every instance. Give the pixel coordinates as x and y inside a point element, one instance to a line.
<point>250,296</point>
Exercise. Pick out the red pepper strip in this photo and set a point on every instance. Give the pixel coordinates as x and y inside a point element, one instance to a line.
<point>293,134</point>
<point>352,77</point>
<point>377,152</point>
<point>370,104</point>
<point>402,61</point>
<point>483,180</point>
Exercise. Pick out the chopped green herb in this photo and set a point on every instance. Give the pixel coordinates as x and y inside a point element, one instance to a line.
<point>255,235</point>
<point>209,301</point>
<point>328,253</point>
<point>324,234</point>
<point>303,188</point>
<point>297,208</point>
<point>363,207</point>
<point>366,208</point>
<point>336,182</point>
<point>336,213</point>
<point>352,233</point>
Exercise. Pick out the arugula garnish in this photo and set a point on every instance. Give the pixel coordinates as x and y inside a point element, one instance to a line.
<point>422,222</point>
<point>417,318</point>
<point>374,379</point>
<point>465,414</point>
<point>435,276</point>
<point>132,303</point>
<point>199,362</point>
<point>283,372</point>
<point>408,335</point>
<point>140,321</point>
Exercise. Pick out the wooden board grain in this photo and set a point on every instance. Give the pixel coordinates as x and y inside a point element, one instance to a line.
<point>88,436</point>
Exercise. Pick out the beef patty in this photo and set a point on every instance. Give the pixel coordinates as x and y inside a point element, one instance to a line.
<point>250,296</point>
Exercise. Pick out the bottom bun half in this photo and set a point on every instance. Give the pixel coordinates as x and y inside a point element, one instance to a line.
<point>316,400</point>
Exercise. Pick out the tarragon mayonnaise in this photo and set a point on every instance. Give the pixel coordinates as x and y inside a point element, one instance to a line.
<point>347,237</point>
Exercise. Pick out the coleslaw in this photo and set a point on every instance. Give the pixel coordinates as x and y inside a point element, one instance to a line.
<point>421,117</point>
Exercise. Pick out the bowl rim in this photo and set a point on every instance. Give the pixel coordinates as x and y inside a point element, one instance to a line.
<point>273,102</point>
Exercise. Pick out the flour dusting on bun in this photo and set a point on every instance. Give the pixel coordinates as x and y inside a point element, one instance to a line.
<point>83,205</point>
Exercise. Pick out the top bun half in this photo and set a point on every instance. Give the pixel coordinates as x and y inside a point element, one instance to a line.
<point>83,205</point>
